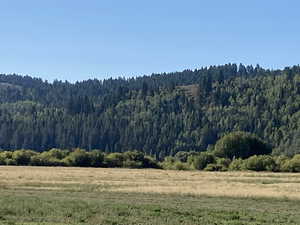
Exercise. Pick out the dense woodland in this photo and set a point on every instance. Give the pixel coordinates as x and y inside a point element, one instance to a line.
<point>160,114</point>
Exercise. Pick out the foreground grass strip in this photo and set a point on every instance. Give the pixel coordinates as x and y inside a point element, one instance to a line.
<point>120,208</point>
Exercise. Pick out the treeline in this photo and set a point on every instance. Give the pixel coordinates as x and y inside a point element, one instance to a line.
<point>236,151</point>
<point>77,157</point>
<point>210,162</point>
<point>109,91</point>
<point>206,161</point>
<point>157,115</point>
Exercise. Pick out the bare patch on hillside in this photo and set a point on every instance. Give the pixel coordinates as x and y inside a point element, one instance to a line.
<point>191,91</point>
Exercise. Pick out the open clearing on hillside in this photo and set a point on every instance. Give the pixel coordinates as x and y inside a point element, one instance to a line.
<point>57,195</point>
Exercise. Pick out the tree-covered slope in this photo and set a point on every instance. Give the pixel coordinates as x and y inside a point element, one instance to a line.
<point>156,114</point>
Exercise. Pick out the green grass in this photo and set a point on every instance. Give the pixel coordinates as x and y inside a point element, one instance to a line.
<point>83,208</point>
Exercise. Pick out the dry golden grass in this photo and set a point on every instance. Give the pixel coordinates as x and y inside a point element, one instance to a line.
<point>233,184</point>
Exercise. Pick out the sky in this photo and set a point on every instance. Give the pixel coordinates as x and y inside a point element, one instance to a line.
<point>78,40</point>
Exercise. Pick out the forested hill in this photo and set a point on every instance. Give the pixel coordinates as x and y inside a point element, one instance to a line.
<point>159,114</point>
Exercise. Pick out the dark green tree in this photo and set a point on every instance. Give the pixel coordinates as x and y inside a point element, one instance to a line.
<point>240,145</point>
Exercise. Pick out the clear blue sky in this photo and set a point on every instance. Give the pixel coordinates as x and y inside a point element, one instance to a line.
<point>76,39</point>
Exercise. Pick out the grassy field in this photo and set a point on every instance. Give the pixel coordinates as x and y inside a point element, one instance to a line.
<point>59,196</point>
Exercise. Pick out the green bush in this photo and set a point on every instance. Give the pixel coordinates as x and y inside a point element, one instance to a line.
<point>237,165</point>
<point>224,162</point>
<point>23,157</point>
<point>10,162</point>
<point>201,160</point>
<point>6,158</point>
<point>57,153</point>
<point>295,163</point>
<point>114,160</point>
<point>240,145</point>
<point>280,161</point>
<point>269,163</point>
<point>97,158</point>
<point>171,163</point>
<point>7,154</point>
<point>181,166</point>
<point>2,158</point>
<point>168,163</point>
<point>46,159</point>
<point>136,159</point>
<point>150,162</point>
<point>78,157</point>
<point>260,163</point>
<point>292,165</point>
<point>214,167</point>
<point>133,155</point>
<point>132,164</point>
<point>183,156</point>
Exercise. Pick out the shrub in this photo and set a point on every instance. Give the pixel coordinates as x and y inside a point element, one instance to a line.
<point>168,163</point>
<point>183,156</point>
<point>260,163</point>
<point>133,156</point>
<point>7,154</point>
<point>200,161</point>
<point>6,158</point>
<point>57,153</point>
<point>46,159</point>
<point>78,157</point>
<point>295,163</point>
<point>114,160</point>
<point>280,161</point>
<point>96,158</point>
<point>292,165</point>
<point>240,145</point>
<point>2,159</point>
<point>136,159</point>
<point>269,163</point>
<point>237,164</point>
<point>132,164</point>
<point>224,162</point>
<point>181,166</point>
<point>171,163</point>
<point>214,167</point>
<point>10,162</point>
<point>23,157</point>
<point>150,162</point>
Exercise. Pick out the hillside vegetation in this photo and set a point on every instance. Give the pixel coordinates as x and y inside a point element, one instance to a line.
<point>160,115</point>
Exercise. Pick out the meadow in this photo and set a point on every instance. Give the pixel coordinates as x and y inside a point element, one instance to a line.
<point>69,195</point>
